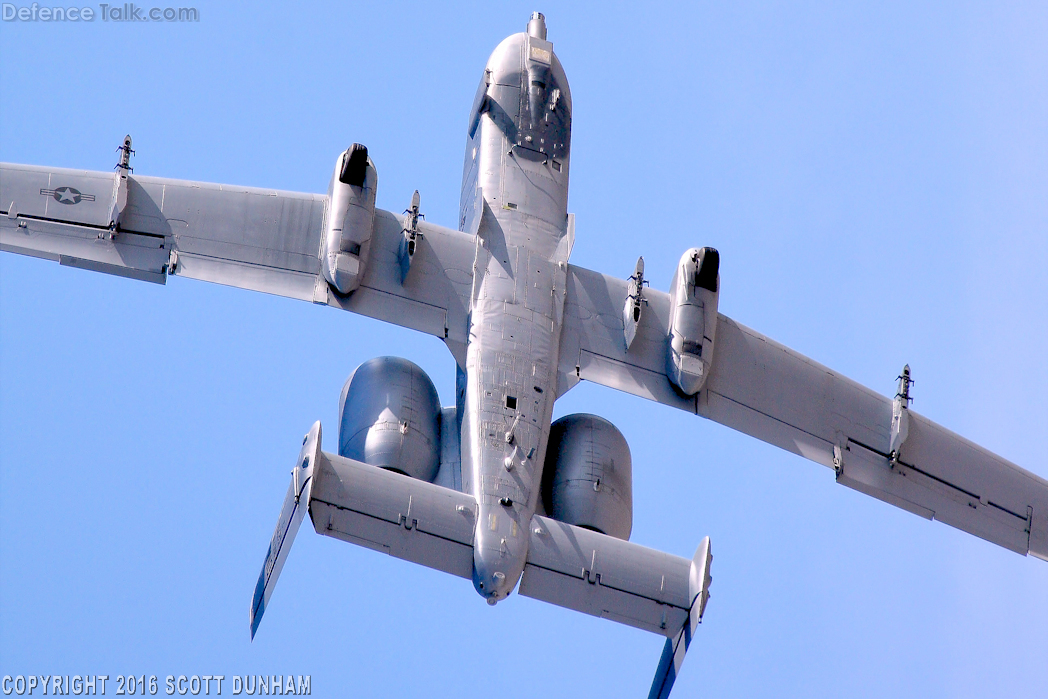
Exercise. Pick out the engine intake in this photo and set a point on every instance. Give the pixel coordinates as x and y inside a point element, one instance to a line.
<point>389,416</point>
<point>588,477</point>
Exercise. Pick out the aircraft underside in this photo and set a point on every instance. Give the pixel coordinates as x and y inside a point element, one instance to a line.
<point>491,489</point>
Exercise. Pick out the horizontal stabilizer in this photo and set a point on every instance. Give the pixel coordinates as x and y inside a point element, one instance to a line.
<point>568,566</point>
<point>607,577</point>
<point>393,513</point>
<point>291,515</point>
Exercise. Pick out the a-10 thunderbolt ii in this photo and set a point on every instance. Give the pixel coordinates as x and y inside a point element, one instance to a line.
<point>491,489</point>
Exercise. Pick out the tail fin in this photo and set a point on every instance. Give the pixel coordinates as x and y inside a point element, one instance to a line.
<point>296,502</point>
<point>675,649</point>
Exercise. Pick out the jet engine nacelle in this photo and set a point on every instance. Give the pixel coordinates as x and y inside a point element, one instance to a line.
<point>389,416</point>
<point>350,219</point>
<point>693,319</point>
<point>588,476</point>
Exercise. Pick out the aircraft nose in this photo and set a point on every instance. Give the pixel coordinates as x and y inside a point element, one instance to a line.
<point>492,585</point>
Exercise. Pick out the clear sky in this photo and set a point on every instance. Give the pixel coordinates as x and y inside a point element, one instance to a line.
<point>875,178</point>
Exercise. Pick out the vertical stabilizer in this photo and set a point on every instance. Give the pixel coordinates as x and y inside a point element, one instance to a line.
<point>677,646</point>
<point>296,502</point>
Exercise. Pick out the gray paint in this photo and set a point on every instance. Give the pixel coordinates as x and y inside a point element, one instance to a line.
<point>349,223</point>
<point>517,301</point>
<point>692,325</point>
<point>522,323</point>
<point>567,565</point>
<point>389,416</point>
<point>589,475</point>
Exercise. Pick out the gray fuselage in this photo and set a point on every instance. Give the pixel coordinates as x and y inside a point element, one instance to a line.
<point>514,195</point>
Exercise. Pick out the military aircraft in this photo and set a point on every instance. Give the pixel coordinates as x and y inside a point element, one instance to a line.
<point>477,494</point>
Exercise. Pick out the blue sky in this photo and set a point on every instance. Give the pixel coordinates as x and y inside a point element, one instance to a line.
<point>875,178</point>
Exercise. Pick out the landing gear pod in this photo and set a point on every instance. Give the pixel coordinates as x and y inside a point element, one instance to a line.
<point>693,319</point>
<point>350,219</point>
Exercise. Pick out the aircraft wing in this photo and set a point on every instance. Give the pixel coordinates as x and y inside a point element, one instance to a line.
<point>259,239</point>
<point>770,392</point>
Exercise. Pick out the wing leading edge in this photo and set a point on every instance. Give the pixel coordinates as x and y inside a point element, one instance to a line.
<point>770,392</point>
